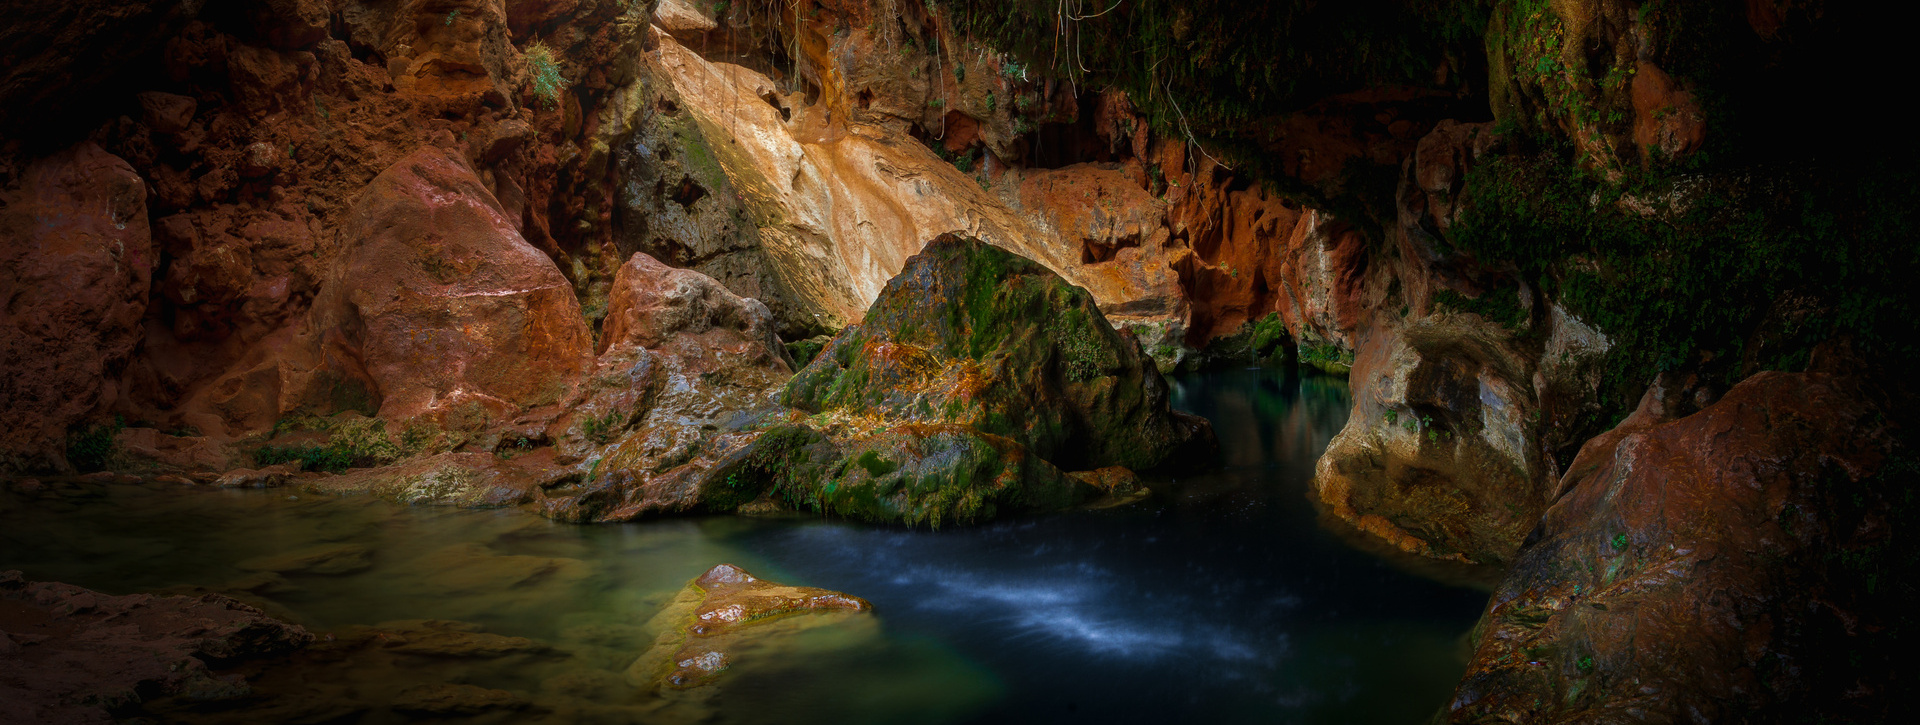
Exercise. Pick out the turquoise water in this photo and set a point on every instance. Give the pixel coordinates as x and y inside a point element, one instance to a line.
<point>1218,598</point>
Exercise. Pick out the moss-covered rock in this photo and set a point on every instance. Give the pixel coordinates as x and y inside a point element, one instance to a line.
<point>972,335</point>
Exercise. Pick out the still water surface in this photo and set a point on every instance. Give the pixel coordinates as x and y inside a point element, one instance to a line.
<point>1218,599</point>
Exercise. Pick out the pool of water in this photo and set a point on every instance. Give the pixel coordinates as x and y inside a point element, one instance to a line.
<point>1220,597</point>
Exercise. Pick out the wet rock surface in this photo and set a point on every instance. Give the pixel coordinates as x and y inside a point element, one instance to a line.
<point>72,655</point>
<point>720,615</point>
<point>974,379</point>
<point>1716,567</point>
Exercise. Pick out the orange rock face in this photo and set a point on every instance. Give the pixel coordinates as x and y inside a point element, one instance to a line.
<point>1718,568</point>
<point>75,269</point>
<point>452,314</point>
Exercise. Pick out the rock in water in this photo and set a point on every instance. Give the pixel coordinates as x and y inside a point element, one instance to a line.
<point>971,334</point>
<point>69,654</point>
<point>1717,568</point>
<point>976,377</point>
<point>721,612</point>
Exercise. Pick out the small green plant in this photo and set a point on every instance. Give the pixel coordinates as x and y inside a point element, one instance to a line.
<point>92,448</point>
<point>960,72</point>
<point>1393,416</point>
<point>604,427</point>
<point>547,81</point>
<point>452,16</point>
<point>992,102</point>
<point>1620,542</point>
<point>1585,664</point>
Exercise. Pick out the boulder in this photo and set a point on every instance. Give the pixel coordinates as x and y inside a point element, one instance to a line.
<point>76,264</point>
<point>1461,417</point>
<point>455,318</point>
<point>1740,564</point>
<point>685,363</point>
<point>971,334</point>
<point>724,610</point>
<point>69,654</point>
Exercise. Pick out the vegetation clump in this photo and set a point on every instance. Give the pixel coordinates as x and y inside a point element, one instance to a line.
<point>547,81</point>
<point>91,448</point>
<point>352,442</point>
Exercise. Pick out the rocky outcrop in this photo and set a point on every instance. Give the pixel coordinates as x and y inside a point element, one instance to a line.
<point>455,319</point>
<point>685,364</point>
<point>948,405</point>
<point>72,655</point>
<point>1736,564</point>
<point>75,269</point>
<point>725,610</point>
<point>1467,386</point>
<point>972,335</point>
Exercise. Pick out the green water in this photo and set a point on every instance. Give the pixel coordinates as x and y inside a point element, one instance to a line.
<point>1219,598</point>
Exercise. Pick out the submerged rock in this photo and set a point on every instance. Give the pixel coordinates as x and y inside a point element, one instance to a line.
<point>722,612</point>
<point>71,655</point>
<point>1722,567</point>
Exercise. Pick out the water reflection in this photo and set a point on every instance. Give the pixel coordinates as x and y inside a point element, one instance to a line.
<point>1218,598</point>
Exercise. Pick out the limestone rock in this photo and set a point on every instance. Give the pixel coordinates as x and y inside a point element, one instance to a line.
<point>725,610</point>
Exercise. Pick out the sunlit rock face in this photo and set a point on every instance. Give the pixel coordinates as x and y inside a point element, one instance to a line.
<point>756,187</point>
<point>75,265</point>
<point>1696,565</point>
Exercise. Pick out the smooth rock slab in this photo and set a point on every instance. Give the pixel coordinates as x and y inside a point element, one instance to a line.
<point>722,611</point>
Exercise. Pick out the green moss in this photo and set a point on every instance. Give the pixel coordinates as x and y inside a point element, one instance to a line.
<point>92,448</point>
<point>1734,272</point>
<point>1500,306</point>
<point>354,442</point>
<point>875,465</point>
<point>1269,336</point>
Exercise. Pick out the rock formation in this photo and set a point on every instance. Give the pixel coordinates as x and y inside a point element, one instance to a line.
<point>74,656</point>
<point>1696,568</point>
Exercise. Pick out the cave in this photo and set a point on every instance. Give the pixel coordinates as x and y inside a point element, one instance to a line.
<point>1387,361</point>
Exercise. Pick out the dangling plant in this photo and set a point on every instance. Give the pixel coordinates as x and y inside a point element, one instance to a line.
<point>547,81</point>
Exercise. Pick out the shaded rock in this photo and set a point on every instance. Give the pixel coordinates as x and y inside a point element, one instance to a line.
<point>268,477</point>
<point>470,480</point>
<point>723,611</point>
<point>75,269</point>
<point>448,700</point>
<point>1740,564</point>
<point>455,318</point>
<point>166,113</point>
<point>69,654</point>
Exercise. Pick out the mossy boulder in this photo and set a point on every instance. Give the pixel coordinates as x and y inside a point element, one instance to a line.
<point>972,335</point>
